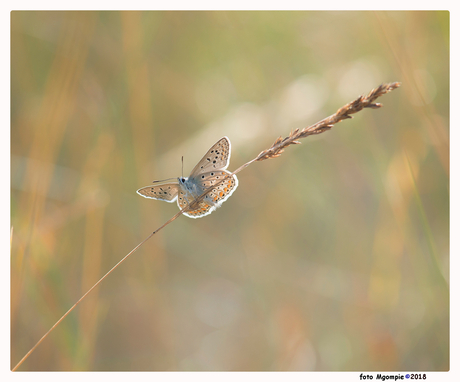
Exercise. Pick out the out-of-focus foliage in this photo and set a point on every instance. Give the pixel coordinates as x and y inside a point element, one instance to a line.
<point>334,256</point>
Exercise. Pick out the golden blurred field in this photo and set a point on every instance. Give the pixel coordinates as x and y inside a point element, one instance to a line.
<point>332,257</point>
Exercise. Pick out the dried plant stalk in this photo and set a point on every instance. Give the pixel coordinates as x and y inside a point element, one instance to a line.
<point>345,112</point>
<point>326,124</point>
<point>273,152</point>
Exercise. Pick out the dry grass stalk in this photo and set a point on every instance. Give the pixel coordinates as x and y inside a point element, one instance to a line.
<point>345,112</point>
<point>273,152</point>
<point>326,124</point>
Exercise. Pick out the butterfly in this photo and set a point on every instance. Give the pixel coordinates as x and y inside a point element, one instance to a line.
<point>210,170</point>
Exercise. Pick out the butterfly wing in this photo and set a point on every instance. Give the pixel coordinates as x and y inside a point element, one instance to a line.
<point>166,191</point>
<point>221,183</point>
<point>217,158</point>
<point>203,209</point>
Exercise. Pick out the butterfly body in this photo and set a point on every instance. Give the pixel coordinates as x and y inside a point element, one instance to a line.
<point>209,174</point>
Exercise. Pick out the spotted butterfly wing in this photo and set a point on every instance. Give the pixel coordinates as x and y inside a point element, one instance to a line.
<point>166,191</point>
<point>203,208</point>
<point>217,158</point>
<point>221,184</point>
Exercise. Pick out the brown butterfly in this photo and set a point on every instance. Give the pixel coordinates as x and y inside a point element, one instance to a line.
<point>210,170</point>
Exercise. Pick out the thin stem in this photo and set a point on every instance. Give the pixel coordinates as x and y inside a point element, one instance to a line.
<point>93,287</point>
<point>273,152</point>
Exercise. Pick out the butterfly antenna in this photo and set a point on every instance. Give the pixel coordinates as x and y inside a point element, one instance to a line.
<point>163,180</point>
<point>182,166</point>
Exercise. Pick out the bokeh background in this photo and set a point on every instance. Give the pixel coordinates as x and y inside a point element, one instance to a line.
<point>334,256</point>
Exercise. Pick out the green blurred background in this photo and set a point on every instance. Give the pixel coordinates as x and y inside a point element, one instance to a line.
<point>334,256</point>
